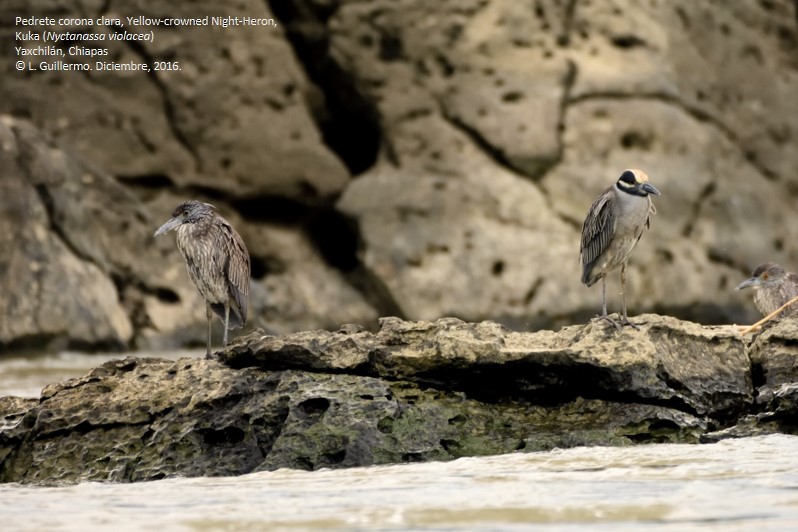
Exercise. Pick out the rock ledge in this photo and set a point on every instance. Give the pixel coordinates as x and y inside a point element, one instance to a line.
<point>413,391</point>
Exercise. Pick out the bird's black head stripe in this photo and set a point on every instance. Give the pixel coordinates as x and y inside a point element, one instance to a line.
<point>628,177</point>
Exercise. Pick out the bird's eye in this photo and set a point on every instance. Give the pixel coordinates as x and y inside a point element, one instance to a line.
<point>628,178</point>
<point>765,277</point>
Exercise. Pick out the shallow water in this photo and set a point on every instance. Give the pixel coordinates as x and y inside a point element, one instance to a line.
<point>748,484</point>
<point>25,375</point>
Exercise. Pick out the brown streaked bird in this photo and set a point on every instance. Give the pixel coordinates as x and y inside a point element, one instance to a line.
<point>773,288</point>
<point>612,228</point>
<point>217,262</point>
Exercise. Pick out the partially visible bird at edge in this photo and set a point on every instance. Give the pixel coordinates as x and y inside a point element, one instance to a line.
<point>217,261</point>
<point>612,228</point>
<point>773,287</point>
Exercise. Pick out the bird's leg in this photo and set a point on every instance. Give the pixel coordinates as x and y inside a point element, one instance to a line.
<point>625,319</point>
<point>604,315</point>
<point>209,315</point>
<point>226,322</point>
<point>623,291</point>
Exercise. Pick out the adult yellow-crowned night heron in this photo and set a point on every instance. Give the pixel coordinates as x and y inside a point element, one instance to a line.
<point>217,262</point>
<point>613,226</point>
<point>774,287</point>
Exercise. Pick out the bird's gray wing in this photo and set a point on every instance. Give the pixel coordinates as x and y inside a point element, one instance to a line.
<point>792,281</point>
<point>597,231</point>
<point>237,269</point>
<point>233,260</point>
<point>789,290</point>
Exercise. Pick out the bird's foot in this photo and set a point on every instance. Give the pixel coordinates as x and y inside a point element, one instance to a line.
<point>605,317</point>
<point>625,322</point>
<point>620,323</point>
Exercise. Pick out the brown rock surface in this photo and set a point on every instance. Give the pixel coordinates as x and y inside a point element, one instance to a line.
<point>703,370</point>
<point>774,353</point>
<point>233,119</point>
<point>414,391</point>
<point>51,285</point>
<point>774,359</point>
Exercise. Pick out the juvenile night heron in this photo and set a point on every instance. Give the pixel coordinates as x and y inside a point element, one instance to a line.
<point>614,225</point>
<point>217,262</point>
<point>773,288</point>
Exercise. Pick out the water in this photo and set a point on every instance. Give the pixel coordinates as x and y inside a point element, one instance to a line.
<point>747,484</point>
<point>26,375</point>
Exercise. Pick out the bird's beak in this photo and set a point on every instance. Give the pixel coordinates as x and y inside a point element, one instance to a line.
<point>168,226</point>
<point>651,189</point>
<point>753,281</point>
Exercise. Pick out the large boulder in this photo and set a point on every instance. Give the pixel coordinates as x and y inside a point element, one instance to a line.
<point>774,359</point>
<point>701,370</point>
<point>236,118</point>
<point>774,354</point>
<point>414,391</point>
<point>53,265</point>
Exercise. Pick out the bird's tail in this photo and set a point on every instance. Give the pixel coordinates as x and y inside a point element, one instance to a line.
<point>589,276</point>
<point>236,319</point>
